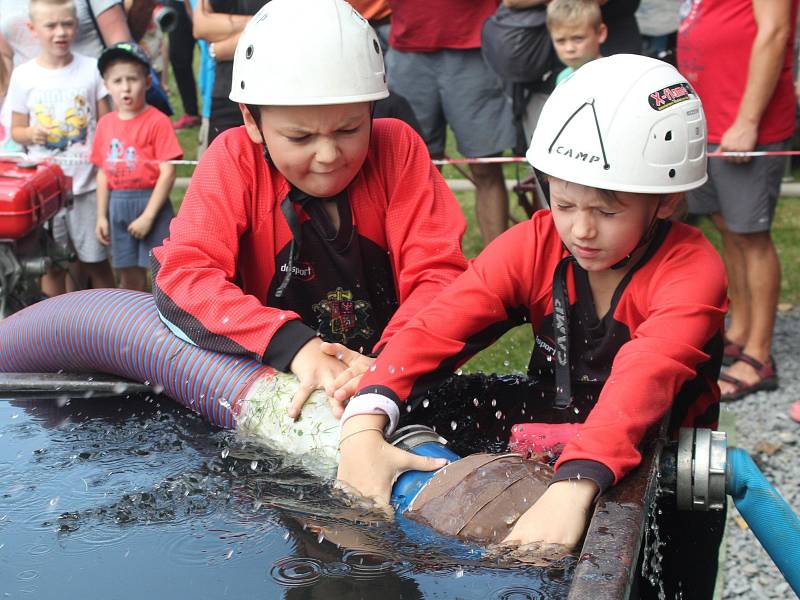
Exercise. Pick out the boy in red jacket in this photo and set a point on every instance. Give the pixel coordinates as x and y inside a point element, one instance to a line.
<point>627,306</point>
<point>310,235</point>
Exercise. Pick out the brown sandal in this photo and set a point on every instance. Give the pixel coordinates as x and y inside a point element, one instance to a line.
<point>767,373</point>
<point>731,351</point>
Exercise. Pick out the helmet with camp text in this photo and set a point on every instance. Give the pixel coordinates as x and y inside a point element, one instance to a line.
<point>626,123</point>
<point>308,52</point>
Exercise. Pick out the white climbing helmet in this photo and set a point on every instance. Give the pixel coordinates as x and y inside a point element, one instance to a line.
<point>627,123</point>
<point>308,52</point>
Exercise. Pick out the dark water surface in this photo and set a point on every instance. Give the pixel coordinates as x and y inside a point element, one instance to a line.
<point>138,498</point>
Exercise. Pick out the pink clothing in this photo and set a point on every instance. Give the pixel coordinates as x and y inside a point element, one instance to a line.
<point>129,150</point>
<point>714,44</point>
<point>425,26</point>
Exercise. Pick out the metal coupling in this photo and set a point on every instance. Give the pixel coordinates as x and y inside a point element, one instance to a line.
<point>701,469</point>
<point>409,437</point>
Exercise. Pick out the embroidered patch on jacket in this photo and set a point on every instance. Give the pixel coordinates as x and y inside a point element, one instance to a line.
<point>341,318</point>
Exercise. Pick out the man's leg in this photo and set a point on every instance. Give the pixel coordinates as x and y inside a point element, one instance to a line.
<point>762,274</point>
<point>479,114</point>
<point>738,311</point>
<point>491,200</point>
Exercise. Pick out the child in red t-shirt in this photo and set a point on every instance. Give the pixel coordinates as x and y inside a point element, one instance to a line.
<point>131,148</point>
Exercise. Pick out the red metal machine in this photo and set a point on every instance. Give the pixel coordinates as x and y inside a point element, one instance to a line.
<point>31,193</point>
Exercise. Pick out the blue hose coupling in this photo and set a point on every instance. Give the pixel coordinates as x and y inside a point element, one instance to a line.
<point>424,441</point>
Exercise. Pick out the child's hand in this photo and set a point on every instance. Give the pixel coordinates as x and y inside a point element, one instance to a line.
<point>141,226</point>
<point>316,370</point>
<point>369,464</point>
<point>38,134</point>
<point>346,384</point>
<point>101,231</point>
<point>559,516</point>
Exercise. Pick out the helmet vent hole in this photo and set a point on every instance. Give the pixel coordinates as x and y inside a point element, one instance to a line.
<point>672,172</point>
<point>668,138</point>
<point>242,84</point>
<point>248,54</point>
<point>376,46</point>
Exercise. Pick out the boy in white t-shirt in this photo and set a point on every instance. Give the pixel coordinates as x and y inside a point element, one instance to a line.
<point>56,100</point>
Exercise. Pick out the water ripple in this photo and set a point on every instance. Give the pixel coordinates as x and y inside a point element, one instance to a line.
<point>297,571</point>
<point>518,593</point>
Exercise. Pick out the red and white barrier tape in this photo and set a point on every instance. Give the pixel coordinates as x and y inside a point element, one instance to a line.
<point>437,162</point>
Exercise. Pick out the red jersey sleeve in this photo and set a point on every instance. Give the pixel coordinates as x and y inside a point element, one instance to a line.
<point>491,296</point>
<point>424,222</point>
<point>684,296</point>
<point>195,270</point>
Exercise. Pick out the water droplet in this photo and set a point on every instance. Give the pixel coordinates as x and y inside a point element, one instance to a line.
<point>254,465</point>
<point>426,403</point>
<point>225,452</point>
<point>453,425</point>
<point>459,572</point>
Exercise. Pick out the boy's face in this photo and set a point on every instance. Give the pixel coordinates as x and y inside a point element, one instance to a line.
<point>578,44</point>
<point>127,83</point>
<point>54,28</point>
<point>600,229</point>
<point>319,149</point>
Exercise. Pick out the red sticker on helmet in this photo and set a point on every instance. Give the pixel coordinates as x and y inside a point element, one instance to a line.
<point>668,96</point>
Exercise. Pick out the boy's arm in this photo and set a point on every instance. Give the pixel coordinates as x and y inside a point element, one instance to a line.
<point>195,270</point>
<point>141,225</point>
<point>26,134</point>
<point>489,298</point>
<point>685,303</point>
<point>101,193</point>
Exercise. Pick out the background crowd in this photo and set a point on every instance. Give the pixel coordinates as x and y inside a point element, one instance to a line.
<point>453,69</point>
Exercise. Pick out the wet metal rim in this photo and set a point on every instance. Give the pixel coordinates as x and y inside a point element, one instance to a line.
<point>48,385</point>
<point>607,566</point>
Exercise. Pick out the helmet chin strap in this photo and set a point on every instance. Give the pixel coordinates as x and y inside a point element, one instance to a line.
<point>648,235</point>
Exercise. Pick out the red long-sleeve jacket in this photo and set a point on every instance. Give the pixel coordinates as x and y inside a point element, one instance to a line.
<point>658,347</point>
<point>217,276</point>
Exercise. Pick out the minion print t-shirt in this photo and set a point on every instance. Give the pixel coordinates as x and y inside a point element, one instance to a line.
<point>65,101</point>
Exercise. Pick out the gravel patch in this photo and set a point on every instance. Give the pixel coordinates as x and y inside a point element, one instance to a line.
<point>764,429</point>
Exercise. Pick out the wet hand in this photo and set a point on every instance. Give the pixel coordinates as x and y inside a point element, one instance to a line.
<point>346,384</point>
<point>141,226</point>
<point>558,517</point>
<point>740,137</point>
<point>369,464</point>
<point>101,231</point>
<point>315,370</point>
